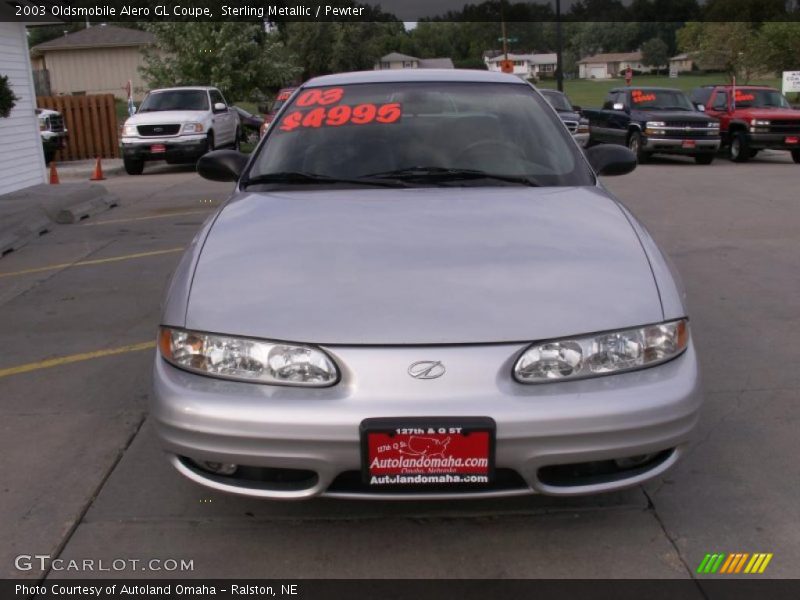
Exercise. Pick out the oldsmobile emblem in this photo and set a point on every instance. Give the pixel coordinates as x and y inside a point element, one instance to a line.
<point>426,369</point>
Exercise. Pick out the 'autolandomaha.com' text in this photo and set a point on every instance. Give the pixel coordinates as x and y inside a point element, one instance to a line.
<point>83,591</point>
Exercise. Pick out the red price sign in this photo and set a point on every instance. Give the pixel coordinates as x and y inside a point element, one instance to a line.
<point>336,116</point>
<point>638,96</point>
<point>742,97</point>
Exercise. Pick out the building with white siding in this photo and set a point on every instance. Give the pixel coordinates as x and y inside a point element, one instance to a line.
<point>96,60</point>
<point>21,157</point>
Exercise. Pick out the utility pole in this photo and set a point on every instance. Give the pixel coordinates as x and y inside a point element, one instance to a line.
<point>559,49</point>
<point>503,31</point>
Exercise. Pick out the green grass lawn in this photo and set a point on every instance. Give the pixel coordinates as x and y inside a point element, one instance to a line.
<point>590,93</point>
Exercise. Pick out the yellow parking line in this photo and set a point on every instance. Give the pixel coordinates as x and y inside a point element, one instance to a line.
<point>98,261</point>
<point>65,360</point>
<point>164,216</point>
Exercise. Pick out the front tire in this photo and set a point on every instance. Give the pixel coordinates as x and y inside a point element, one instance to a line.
<point>635,146</point>
<point>740,152</point>
<point>796,156</point>
<point>704,159</point>
<point>133,166</point>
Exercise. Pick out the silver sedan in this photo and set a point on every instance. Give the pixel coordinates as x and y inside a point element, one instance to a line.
<point>420,289</point>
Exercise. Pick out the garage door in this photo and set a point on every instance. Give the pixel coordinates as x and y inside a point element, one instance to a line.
<point>597,73</point>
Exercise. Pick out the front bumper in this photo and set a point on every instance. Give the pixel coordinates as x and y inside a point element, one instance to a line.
<point>772,141</point>
<point>677,145</point>
<point>177,148</point>
<point>317,430</point>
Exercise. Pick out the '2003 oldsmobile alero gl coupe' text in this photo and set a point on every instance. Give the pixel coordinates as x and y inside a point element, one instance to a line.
<point>419,289</point>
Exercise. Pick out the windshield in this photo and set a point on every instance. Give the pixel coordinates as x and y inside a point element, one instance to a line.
<point>754,98</point>
<point>660,100</point>
<point>281,99</point>
<point>175,100</point>
<point>423,133</point>
<point>559,101</point>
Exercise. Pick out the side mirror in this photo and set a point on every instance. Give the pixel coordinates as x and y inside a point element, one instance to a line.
<point>611,159</point>
<point>222,165</point>
<point>700,107</point>
<point>618,106</point>
<point>220,107</point>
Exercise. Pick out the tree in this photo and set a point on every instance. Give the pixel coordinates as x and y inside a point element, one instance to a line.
<point>242,59</point>
<point>731,47</point>
<point>779,46</point>
<point>7,97</point>
<point>655,53</point>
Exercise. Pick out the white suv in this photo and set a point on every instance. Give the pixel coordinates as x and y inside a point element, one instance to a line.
<point>178,125</point>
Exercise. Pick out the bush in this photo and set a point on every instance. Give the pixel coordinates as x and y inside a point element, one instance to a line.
<point>8,100</point>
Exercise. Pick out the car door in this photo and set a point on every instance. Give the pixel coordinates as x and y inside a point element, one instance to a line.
<point>619,119</point>
<point>224,120</point>
<point>600,123</point>
<point>717,107</point>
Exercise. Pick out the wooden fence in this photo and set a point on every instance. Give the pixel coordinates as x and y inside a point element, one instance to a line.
<point>91,122</point>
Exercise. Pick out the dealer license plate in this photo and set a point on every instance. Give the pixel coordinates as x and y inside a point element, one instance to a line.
<point>689,143</point>
<point>158,148</point>
<point>428,452</point>
<point>792,139</point>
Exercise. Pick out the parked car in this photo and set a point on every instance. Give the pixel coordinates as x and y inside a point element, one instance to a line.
<point>654,120</point>
<point>570,115</point>
<point>752,118</point>
<point>53,132</point>
<point>250,125</point>
<point>178,125</point>
<point>420,289</point>
<point>283,95</point>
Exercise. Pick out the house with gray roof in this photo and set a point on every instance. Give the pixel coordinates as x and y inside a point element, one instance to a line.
<point>396,60</point>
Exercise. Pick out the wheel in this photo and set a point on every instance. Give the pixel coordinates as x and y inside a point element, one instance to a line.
<point>635,146</point>
<point>753,152</point>
<point>796,156</point>
<point>704,159</point>
<point>210,140</point>
<point>237,140</point>
<point>739,151</point>
<point>133,166</point>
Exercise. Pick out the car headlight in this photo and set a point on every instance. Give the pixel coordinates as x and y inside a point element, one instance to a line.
<point>603,353</point>
<point>713,124</point>
<point>655,124</point>
<point>244,359</point>
<point>192,128</point>
<point>759,122</point>
<point>130,130</point>
<point>583,126</point>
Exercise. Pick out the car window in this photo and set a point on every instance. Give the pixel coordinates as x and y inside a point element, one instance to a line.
<point>720,101</point>
<point>558,101</point>
<point>216,96</point>
<point>755,98</point>
<point>175,100</point>
<point>611,98</point>
<point>355,131</point>
<point>701,95</point>
<point>281,99</point>
<point>654,99</point>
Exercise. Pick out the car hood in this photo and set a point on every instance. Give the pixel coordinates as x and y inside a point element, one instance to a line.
<point>569,116</point>
<point>675,115</point>
<point>421,266</point>
<point>771,113</point>
<point>165,116</point>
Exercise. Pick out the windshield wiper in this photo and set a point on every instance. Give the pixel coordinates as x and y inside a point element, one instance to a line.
<point>672,108</point>
<point>299,177</point>
<point>442,174</point>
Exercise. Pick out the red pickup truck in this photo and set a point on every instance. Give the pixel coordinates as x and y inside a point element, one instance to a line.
<point>751,118</point>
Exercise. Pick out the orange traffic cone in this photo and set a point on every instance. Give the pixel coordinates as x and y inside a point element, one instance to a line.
<point>97,175</point>
<point>53,173</point>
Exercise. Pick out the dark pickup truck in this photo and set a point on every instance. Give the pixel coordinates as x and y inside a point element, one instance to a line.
<point>654,120</point>
<point>752,118</point>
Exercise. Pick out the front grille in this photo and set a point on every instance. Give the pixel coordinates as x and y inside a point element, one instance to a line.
<point>56,123</point>
<point>692,124</point>
<point>785,127</point>
<point>572,126</point>
<point>158,130</point>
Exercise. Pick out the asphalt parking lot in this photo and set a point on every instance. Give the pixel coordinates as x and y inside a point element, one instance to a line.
<point>83,477</point>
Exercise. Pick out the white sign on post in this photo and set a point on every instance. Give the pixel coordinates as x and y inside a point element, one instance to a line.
<point>791,81</point>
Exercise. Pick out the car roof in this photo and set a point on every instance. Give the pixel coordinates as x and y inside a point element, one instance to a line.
<point>184,87</point>
<point>410,75</point>
<point>549,91</point>
<point>750,87</point>
<point>654,88</point>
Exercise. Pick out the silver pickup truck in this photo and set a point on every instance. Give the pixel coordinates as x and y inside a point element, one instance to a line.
<point>53,132</point>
